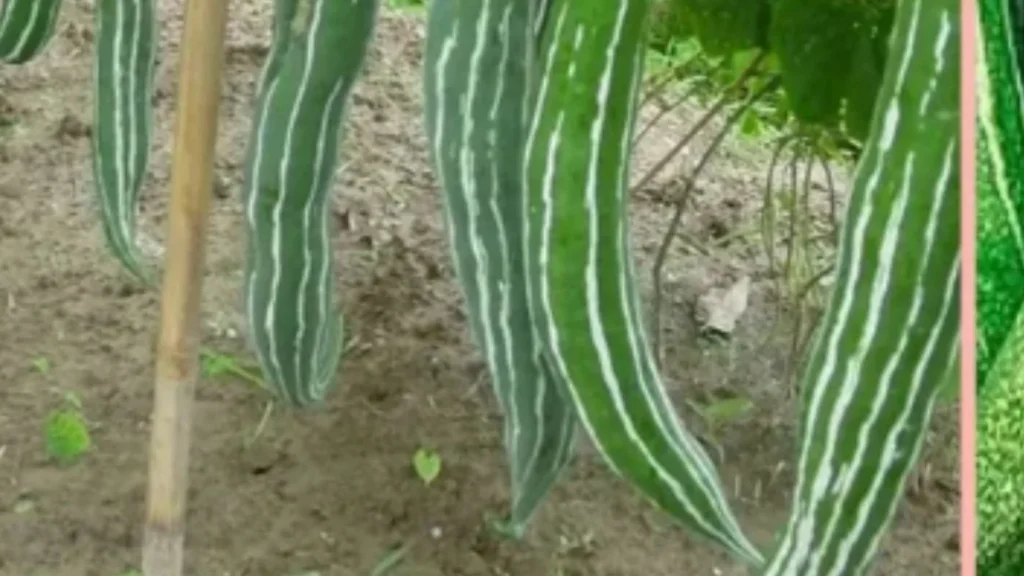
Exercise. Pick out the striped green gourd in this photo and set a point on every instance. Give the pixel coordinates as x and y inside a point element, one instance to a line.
<point>579,268</point>
<point>1000,192</point>
<point>476,90</point>
<point>1000,269</point>
<point>293,319</point>
<point>126,46</point>
<point>26,27</point>
<point>889,337</point>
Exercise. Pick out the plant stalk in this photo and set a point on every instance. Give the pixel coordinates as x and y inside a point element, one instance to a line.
<point>199,91</point>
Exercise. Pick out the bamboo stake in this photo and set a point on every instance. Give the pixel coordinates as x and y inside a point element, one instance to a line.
<point>195,134</point>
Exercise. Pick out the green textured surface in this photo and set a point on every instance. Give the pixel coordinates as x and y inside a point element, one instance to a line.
<point>1000,462</point>
<point>1000,197</point>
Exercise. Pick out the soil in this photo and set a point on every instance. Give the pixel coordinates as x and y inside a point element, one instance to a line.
<point>332,490</point>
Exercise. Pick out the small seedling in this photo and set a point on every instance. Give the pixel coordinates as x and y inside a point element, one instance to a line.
<point>427,464</point>
<point>717,414</point>
<point>67,437</point>
<point>42,364</point>
<point>72,399</point>
<point>728,410</point>
<point>391,560</point>
<point>215,364</point>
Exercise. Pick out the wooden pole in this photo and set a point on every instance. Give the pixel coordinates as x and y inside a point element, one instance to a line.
<point>195,134</point>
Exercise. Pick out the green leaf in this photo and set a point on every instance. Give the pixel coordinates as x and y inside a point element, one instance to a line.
<point>67,437</point>
<point>812,41</point>
<point>728,26</point>
<point>751,125</point>
<point>214,365</point>
<point>42,364</point>
<point>427,465</point>
<point>726,411</point>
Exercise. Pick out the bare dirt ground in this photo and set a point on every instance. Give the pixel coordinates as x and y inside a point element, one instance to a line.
<point>332,490</point>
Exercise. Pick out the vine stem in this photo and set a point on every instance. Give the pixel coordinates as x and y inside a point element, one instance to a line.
<point>665,110</point>
<point>673,73</point>
<point>680,206</point>
<point>701,122</point>
<point>195,135</point>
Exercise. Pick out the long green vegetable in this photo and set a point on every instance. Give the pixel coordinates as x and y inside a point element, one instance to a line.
<point>126,46</point>
<point>476,93</point>
<point>1000,247</point>
<point>889,336</point>
<point>293,320</point>
<point>26,27</point>
<point>579,267</point>
<point>1000,144</point>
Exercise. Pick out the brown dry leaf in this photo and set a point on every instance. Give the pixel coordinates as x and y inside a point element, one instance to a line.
<point>719,309</point>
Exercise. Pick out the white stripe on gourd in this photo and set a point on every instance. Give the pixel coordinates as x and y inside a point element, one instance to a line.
<point>26,27</point>
<point>475,92</point>
<point>293,322</point>
<point>582,288</point>
<point>890,331</point>
<point>125,61</point>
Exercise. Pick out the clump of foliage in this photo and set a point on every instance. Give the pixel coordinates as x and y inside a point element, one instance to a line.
<point>66,432</point>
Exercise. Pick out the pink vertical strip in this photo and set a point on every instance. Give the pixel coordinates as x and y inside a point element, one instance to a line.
<point>968,44</point>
